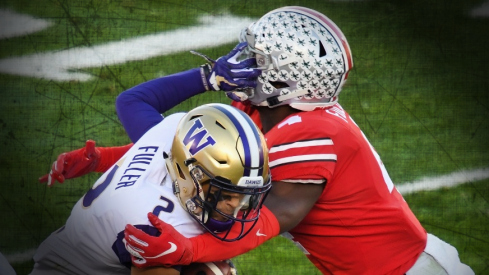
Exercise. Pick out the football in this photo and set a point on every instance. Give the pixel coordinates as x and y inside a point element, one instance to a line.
<point>210,268</point>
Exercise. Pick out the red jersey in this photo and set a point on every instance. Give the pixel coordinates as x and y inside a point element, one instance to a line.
<point>361,223</point>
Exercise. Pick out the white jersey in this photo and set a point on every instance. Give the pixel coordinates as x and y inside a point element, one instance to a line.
<point>91,240</point>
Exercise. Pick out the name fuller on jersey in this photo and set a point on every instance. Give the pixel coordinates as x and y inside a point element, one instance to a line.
<point>137,166</point>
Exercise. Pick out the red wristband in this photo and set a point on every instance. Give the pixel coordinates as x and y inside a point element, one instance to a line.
<point>110,155</point>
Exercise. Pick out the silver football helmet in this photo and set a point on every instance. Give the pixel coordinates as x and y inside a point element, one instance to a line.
<point>304,57</point>
<point>219,169</point>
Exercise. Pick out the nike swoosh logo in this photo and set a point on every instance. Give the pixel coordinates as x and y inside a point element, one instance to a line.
<point>173,248</point>
<point>259,234</point>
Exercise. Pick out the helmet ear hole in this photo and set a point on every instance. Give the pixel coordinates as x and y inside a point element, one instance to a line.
<point>180,172</point>
<point>220,125</point>
<point>279,85</point>
<point>194,117</point>
<point>322,50</point>
<point>221,161</point>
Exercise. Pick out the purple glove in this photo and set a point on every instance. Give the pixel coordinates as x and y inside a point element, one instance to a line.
<point>228,73</point>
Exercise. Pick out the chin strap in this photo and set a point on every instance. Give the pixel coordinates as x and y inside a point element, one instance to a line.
<point>275,100</point>
<point>310,107</point>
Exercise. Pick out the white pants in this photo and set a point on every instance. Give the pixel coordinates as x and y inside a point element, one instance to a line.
<point>439,258</point>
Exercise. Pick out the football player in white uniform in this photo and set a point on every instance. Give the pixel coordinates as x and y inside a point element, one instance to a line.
<point>204,170</point>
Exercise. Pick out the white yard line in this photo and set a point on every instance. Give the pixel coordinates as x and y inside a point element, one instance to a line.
<point>21,256</point>
<point>14,24</point>
<point>450,180</point>
<point>480,11</point>
<point>55,65</point>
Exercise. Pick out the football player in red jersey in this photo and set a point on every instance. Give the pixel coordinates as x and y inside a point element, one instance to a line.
<point>331,193</point>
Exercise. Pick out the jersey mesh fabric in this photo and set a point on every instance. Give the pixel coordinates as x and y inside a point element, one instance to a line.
<point>360,224</point>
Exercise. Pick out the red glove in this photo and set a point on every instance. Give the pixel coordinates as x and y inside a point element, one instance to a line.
<point>169,249</point>
<point>73,164</point>
<point>147,250</point>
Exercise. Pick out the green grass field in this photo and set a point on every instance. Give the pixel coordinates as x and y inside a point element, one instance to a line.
<point>419,90</point>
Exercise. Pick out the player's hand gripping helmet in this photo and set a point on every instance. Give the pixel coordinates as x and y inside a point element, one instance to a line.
<point>304,57</point>
<point>219,168</point>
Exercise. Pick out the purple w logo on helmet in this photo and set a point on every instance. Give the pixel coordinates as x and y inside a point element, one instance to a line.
<point>199,137</point>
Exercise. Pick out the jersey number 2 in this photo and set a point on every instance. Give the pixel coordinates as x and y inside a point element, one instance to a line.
<point>93,193</point>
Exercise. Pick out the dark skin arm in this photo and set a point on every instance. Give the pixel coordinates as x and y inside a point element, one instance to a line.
<point>290,202</point>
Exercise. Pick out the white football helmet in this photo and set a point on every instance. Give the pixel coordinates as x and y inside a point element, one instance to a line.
<point>304,57</point>
<point>219,154</point>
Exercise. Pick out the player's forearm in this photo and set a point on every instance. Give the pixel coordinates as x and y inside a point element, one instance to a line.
<point>109,156</point>
<point>208,249</point>
<point>140,107</point>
